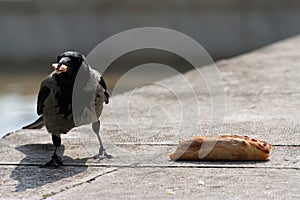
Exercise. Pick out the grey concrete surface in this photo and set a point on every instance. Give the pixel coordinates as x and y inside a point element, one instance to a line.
<point>262,90</point>
<point>180,183</point>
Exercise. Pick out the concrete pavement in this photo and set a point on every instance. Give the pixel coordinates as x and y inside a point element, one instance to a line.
<point>262,92</point>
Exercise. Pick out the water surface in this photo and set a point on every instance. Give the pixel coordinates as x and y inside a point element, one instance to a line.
<point>16,110</point>
<point>18,100</point>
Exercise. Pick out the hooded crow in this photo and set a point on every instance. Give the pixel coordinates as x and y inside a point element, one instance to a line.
<point>72,95</point>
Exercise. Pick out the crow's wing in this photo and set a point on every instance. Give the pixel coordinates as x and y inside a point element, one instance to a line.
<point>42,96</point>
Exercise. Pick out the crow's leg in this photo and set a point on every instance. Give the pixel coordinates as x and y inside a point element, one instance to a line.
<point>55,160</point>
<point>102,153</point>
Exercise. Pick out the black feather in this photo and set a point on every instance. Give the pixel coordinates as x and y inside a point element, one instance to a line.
<point>42,96</point>
<point>103,84</point>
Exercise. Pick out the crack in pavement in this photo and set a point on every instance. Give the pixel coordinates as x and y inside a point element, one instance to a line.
<point>136,165</point>
<point>45,196</point>
<point>139,165</point>
<point>86,181</point>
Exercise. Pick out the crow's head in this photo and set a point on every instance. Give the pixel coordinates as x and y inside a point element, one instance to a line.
<point>69,63</point>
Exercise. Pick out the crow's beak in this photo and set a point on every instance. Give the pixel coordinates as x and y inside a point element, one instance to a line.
<point>59,68</point>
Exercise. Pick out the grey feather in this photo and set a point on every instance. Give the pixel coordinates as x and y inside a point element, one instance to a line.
<point>39,123</point>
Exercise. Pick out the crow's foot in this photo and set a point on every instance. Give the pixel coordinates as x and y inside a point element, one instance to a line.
<point>55,161</point>
<point>102,154</point>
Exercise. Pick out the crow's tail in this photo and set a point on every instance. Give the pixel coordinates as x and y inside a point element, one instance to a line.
<point>39,123</point>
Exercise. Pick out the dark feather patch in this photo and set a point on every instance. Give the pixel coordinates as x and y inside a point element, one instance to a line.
<point>63,96</point>
<point>103,84</point>
<point>42,96</point>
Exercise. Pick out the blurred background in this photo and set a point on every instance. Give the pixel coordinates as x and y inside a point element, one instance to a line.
<point>33,33</point>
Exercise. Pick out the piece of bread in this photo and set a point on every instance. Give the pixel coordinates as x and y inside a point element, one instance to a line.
<point>224,147</point>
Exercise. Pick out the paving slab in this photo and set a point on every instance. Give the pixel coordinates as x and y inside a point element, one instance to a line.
<point>35,182</point>
<point>215,183</point>
<point>80,153</point>
<point>261,91</point>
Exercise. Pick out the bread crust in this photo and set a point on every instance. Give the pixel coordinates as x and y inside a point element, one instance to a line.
<point>224,147</point>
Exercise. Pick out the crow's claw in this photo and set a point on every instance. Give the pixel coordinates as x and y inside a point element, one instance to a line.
<point>102,154</point>
<point>55,161</point>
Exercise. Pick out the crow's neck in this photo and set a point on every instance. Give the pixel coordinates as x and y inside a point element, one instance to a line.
<point>65,84</point>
